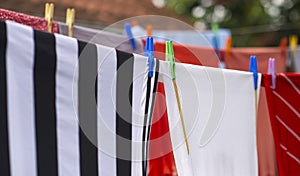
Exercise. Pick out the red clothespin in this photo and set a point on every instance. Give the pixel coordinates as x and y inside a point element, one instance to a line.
<point>272,71</point>
<point>283,46</point>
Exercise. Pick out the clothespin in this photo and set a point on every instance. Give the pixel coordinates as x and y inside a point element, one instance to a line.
<point>215,28</point>
<point>170,57</point>
<point>49,12</point>
<point>151,57</point>
<point>283,44</point>
<point>293,44</point>
<point>149,52</point>
<point>134,23</point>
<point>149,31</point>
<point>130,35</point>
<point>253,69</point>
<point>228,48</point>
<point>272,71</point>
<point>146,51</point>
<point>215,42</point>
<point>70,18</point>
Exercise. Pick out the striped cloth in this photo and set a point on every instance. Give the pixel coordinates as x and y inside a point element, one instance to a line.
<point>284,108</point>
<point>68,107</point>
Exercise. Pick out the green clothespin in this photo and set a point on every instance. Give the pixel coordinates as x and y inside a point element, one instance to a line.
<point>215,28</point>
<point>170,57</point>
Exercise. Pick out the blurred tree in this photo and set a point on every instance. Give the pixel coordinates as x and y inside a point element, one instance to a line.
<point>253,22</point>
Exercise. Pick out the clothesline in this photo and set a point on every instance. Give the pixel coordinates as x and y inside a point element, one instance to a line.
<point>264,28</point>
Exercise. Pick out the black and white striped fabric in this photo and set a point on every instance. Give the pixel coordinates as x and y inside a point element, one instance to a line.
<point>69,107</point>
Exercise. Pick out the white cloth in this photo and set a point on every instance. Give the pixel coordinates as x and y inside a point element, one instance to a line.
<point>297,60</point>
<point>220,119</point>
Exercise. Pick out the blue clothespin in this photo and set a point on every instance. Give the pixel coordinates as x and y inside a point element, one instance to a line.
<point>253,69</point>
<point>272,71</point>
<point>130,35</point>
<point>215,43</point>
<point>146,47</point>
<point>150,57</point>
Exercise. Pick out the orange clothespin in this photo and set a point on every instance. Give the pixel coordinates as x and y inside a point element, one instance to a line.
<point>134,23</point>
<point>70,18</point>
<point>293,44</point>
<point>228,48</point>
<point>149,31</point>
<point>49,12</point>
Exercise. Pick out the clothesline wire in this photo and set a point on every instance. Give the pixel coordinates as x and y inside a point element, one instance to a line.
<point>247,30</point>
<point>264,28</point>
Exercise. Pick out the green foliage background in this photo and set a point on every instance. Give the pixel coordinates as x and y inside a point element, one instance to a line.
<point>251,21</point>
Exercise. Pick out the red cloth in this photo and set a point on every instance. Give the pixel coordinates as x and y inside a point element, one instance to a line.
<point>189,54</point>
<point>161,157</point>
<point>239,58</point>
<point>267,164</point>
<point>284,109</point>
<point>34,22</point>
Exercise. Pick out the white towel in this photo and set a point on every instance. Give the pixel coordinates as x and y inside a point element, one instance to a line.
<point>220,119</point>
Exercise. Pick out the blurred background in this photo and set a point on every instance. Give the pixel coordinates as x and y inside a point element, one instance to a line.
<point>252,22</point>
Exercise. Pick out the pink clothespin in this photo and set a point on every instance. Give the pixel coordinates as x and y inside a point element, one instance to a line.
<point>272,71</point>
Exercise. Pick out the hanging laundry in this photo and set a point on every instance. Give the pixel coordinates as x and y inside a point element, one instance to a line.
<point>185,37</point>
<point>239,58</point>
<point>267,162</point>
<point>219,114</point>
<point>284,108</point>
<point>102,37</point>
<point>32,21</point>
<point>161,158</point>
<point>69,107</point>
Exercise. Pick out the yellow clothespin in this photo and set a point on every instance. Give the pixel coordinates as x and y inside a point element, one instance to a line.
<point>70,19</point>
<point>49,11</point>
<point>293,44</point>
